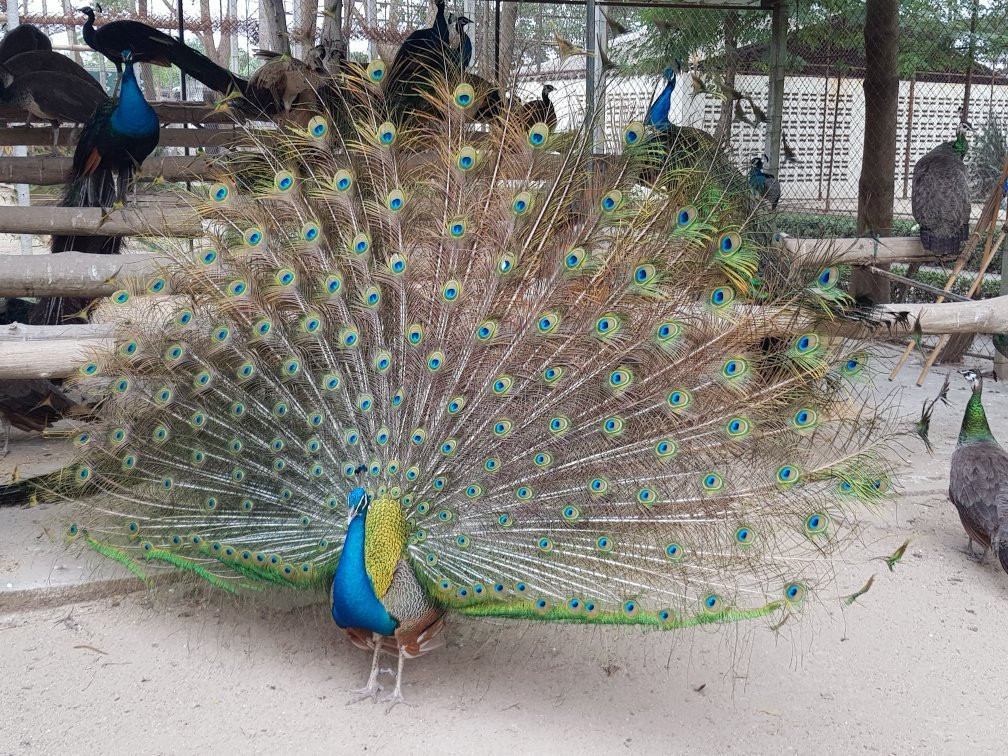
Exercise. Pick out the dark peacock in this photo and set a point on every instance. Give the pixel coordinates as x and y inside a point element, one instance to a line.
<point>978,478</point>
<point>428,367</point>
<point>764,186</point>
<point>150,45</point>
<point>21,39</point>
<point>941,196</point>
<point>114,143</point>
<point>539,111</point>
<point>50,87</point>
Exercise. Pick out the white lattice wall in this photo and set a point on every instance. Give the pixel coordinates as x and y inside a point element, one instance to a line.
<point>826,176</point>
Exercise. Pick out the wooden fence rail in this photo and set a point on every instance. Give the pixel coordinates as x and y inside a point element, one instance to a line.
<point>48,171</point>
<point>170,221</point>
<point>58,351</point>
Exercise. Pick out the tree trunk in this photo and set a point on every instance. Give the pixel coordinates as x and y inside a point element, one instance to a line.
<point>722,134</point>
<point>305,27</point>
<point>331,37</point>
<point>146,70</point>
<point>509,18</point>
<point>877,185</point>
<point>69,10</point>
<point>273,20</point>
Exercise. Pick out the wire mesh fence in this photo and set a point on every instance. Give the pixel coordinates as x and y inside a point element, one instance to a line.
<point>952,60</point>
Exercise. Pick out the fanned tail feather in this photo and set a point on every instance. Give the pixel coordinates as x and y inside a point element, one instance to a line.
<point>600,392</point>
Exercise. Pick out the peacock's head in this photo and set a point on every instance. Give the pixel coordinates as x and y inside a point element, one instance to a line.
<point>757,162</point>
<point>547,89</point>
<point>670,74</point>
<point>357,503</point>
<point>127,57</point>
<point>88,11</point>
<point>6,78</point>
<point>973,378</point>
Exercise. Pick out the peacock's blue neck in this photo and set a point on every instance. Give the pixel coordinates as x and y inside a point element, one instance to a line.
<point>354,603</point>
<point>133,115</point>
<point>658,113</point>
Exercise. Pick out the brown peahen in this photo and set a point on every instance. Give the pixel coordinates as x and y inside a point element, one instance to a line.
<point>428,368</point>
<point>940,195</point>
<point>978,478</point>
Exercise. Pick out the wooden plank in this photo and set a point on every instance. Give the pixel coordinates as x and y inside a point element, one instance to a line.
<point>47,170</point>
<point>70,273</point>
<point>90,221</point>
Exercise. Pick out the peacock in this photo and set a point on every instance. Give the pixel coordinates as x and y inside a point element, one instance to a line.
<point>21,39</point>
<point>941,196</point>
<point>978,477</point>
<point>539,111</point>
<point>764,186</point>
<point>439,367</point>
<point>114,143</point>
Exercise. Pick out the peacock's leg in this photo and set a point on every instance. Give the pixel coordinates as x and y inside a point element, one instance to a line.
<point>372,688</point>
<point>397,697</point>
<point>124,180</point>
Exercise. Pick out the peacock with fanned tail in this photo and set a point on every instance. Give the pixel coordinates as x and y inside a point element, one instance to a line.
<point>428,368</point>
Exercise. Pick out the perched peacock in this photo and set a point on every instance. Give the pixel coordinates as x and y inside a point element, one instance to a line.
<point>428,368</point>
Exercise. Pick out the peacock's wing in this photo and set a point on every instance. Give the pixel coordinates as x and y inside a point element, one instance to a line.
<point>589,402</point>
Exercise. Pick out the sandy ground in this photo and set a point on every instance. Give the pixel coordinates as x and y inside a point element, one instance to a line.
<point>91,665</point>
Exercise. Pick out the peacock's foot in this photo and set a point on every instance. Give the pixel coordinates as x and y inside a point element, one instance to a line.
<point>371,690</point>
<point>395,698</point>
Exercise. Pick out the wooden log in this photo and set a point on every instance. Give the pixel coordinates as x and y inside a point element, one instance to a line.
<point>90,221</point>
<point>861,251</point>
<point>70,274</point>
<point>58,351</point>
<point>173,137</point>
<point>48,170</point>
<point>48,351</point>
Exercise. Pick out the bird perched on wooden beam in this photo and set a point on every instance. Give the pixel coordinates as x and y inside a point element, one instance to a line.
<point>940,197</point>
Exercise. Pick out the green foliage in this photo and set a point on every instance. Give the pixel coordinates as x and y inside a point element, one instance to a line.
<point>823,226</point>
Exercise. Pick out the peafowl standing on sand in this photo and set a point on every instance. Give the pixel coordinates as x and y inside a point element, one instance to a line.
<point>978,477</point>
<point>429,369</point>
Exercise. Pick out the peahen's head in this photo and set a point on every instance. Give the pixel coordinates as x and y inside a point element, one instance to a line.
<point>462,22</point>
<point>546,90</point>
<point>357,503</point>
<point>6,78</point>
<point>88,11</point>
<point>960,144</point>
<point>973,378</point>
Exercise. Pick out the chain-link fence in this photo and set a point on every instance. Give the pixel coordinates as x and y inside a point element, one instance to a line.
<point>952,60</point>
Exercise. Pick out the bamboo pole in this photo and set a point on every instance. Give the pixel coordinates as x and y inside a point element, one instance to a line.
<point>989,251</point>
<point>987,217</point>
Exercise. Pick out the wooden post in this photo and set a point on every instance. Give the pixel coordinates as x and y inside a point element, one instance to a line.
<point>832,152</point>
<point>778,71</point>
<point>1001,360</point>
<point>909,134</point>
